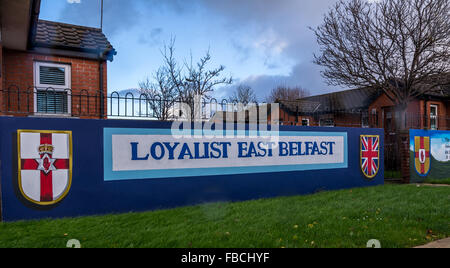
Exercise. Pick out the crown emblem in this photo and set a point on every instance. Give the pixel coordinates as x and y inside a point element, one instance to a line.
<point>46,149</point>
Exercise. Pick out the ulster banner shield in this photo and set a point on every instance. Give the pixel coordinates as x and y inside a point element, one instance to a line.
<point>370,155</point>
<point>422,161</point>
<point>44,166</point>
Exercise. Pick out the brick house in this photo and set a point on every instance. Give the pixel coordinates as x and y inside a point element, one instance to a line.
<point>430,111</point>
<point>50,68</point>
<point>347,108</point>
<point>367,108</point>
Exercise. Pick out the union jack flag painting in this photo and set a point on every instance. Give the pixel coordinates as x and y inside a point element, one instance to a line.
<point>370,155</point>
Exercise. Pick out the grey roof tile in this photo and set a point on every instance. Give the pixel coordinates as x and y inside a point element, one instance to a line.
<point>349,100</point>
<point>72,37</point>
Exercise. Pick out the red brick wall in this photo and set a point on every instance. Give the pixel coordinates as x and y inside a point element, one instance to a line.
<point>340,119</point>
<point>288,119</point>
<point>447,105</point>
<point>18,73</point>
<point>348,120</point>
<point>377,106</point>
<point>403,142</point>
<point>414,112</point>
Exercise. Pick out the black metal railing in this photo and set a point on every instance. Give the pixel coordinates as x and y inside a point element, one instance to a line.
<point>135,105</point>
<point>35,101</point>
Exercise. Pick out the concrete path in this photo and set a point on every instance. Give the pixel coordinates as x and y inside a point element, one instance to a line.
<point>445,243</point>
<point>434,185</point>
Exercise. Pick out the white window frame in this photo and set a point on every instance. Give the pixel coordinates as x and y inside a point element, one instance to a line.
<point>367,117</point>
<point>307,120</point>
<point>321,125</point>
<point>435,116</point>
<point>56,88</point>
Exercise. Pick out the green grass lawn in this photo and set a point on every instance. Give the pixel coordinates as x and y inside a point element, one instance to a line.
<point>443,181</point>
<point>398,216</point>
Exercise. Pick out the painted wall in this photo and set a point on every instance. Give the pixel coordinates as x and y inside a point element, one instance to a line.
<point>95,190</point>
<point>430,155</point>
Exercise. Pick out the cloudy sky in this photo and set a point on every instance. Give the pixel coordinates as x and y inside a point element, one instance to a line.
<point>262,43</point>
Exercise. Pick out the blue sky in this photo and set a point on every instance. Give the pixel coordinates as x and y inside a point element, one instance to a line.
<point>262,43</point>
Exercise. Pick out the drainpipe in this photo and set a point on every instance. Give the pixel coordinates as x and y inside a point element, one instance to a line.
<point>34,18</point>
<point>102,60</point>
<point>425,114</point>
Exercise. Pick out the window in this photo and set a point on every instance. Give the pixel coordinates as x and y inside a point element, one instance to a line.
<point>305,122</point>
<point>375,117</point>
<point>433,117</point>
<point>365,120</point>
<point>52,102</point>
<point>326,122</point>
<point>52,84</point>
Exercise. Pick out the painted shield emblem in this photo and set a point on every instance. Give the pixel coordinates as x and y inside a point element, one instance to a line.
<point>422,160</point>
<point>45,165</point>
<point>370,155</point>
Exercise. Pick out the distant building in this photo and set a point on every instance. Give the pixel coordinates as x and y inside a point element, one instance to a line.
<point>367,107</point>
<point>430,111</point>
<point>51,68</point>
<point>339,109</point>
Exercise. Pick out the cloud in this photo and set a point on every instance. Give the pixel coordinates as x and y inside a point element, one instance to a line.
<point>303,75</point>
<point>153,38</point>
<point>280,22</point>
<point>440,149</point>
<point>243,51</point>
<point>280,29</point>
<point>275,31</point>
<point>118,14</point>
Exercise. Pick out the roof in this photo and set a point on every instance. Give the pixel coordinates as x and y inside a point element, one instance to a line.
<point>302,106</point>
<point>58,35</point>
<point>442,91</point>
<point>348,100</point>
<point>249,115</point>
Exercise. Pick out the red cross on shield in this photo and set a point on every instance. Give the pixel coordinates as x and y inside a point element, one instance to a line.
<point>422,156</point>
<point>45,165</point>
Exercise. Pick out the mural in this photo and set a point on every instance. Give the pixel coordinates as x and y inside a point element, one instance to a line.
<point>61,167</point>
<point>44,165</point>
<point>430,155</point>
<point>370,155</point>
<point>154,153</point>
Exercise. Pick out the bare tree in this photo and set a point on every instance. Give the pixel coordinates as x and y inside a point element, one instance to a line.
<point>200,80</point>
<point>401,47</point>
<point>160,95</point>
<point>283,93</point>
<point>243,94</point>
<point>176,83</point>
<point>173,71</point>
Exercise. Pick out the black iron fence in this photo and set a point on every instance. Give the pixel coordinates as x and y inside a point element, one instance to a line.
<point>134,105</point>
<point>50,101</point>
<point>35,101</point>
<point>95,104</point>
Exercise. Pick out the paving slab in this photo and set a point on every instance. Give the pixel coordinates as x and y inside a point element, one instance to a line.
<point>433,185</point>
<point>444,243</point>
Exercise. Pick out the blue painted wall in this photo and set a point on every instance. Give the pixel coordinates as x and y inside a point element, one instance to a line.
<point>91,195</point>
